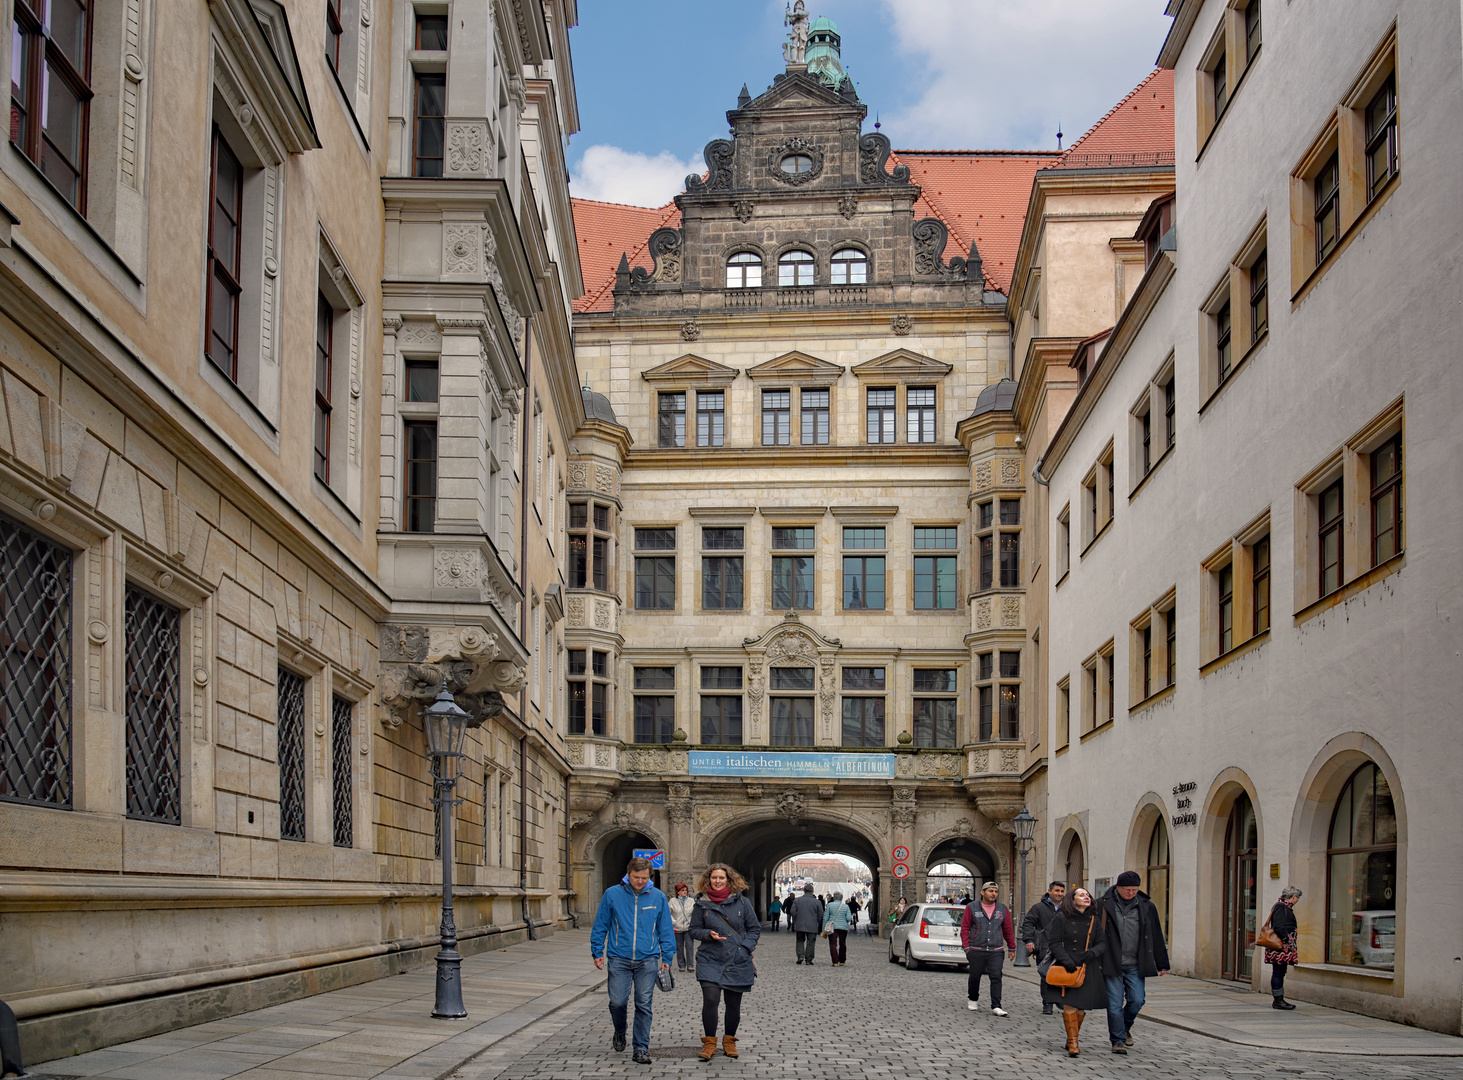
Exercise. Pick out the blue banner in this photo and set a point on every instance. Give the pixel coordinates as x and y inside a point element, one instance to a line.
<point>785,763</point>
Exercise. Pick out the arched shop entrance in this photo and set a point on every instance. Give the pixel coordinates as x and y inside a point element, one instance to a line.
<point>617,854</point>
<point>757,848</point>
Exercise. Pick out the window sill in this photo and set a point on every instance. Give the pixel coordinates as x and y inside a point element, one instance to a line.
<point>1351,588</point>
<point>331,498</point>
<point>861,611</point>
<point>1106,725</point>
<point>1235,653</point>
<point>1341,245</point>
<point>241,402</point>
<point>1234,371</point>
<point>1063,749</point>
<point>1151,470</point>
<point>1065,574</point>
<point>1096,537</point>
<point>1348,969</point>
<point>1153,699</point>
<point>654,611</point>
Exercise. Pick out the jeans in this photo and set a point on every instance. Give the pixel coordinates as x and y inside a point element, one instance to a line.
<point>1277,980</point>
<point>807,944</point>
<point>625,972</point>
<point>838,946</point>
<point>684,959</point>
<point>1120,1017</point>
<point>985,963</point>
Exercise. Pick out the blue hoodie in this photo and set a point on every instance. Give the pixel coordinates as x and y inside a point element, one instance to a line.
<point>634,925</point>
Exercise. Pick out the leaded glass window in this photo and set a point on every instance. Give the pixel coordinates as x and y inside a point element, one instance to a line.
<point>342,795</point>
<point>154,715</point>
<point>290,693</point>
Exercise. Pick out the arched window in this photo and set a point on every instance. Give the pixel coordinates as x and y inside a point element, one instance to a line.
<point>1361,873</point>
<point>1160,867</point>
<point>744,271</point>
<point>795,268</point>
<point>1076,865</point>
<point>850,266</point>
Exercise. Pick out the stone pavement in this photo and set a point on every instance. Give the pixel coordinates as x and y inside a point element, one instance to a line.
<point>874,1019</point>
<point>382,1029</point>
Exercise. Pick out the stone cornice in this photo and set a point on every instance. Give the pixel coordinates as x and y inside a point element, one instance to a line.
<point>722,457</point>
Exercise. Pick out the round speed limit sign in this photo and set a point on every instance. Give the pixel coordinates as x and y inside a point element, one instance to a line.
<point>901,871</point>
<point>901,854</point>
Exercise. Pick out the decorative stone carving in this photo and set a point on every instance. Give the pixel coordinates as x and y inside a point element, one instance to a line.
<point>678,791</point>
<point>940,766</point>
<point>754,791</point>
<point>983,474</point>
<point>574,609</point>
<point>983,614</point>
<point>605,479</point>
<point>826,791</point>
<point>901,324</point>
<point>756,684</point>
<point>980,761</point>
<point>665,248</point>
<point>791,648</point>
<point>903,817</point>
<point>790,805</point>
<point>624,819</point>
<point>795,145</point>
<point>461,245</point>
<point>848,206</point>
<point>424,335</point>
<point>575,752</point>
<point>1010,760</point>
<point>681,811</point>
<point>578,475</point>
<point>579,821</point>
<point>795,49</point>
<point>930,236</point>
<point>468,147</point>
<point>1010,611</point>
<point>963,826</point>
<point>603,757</point>
<point>904,765</point>
<point>874,151</point>
<point>602,619</point>
<point>414,661</point>
<point>641,760</point>
<point>718,155</point>
<point>690,330</point>
<point>1010,471</point>
<point>743,209</point>
<point>828,694</point>
<point>457,568</point>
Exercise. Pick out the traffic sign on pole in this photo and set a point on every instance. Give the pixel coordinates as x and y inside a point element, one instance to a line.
<point>901,871</point>
<point>901,854</point>
<point>655,855</point>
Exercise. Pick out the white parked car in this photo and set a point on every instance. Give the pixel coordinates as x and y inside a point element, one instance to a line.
<point>1374,938</point>
<point>928,934</point>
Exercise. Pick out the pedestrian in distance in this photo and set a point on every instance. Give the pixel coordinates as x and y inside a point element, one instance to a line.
<point>1077,941</point>
<point>681,907</point>
<point>774,913</point>
<point>1282,920</point>
<point>787,903</point>
<point>1135,951</point>
<point>806,920</point>
<point>726,925</point>
<point>854,907</point>
<point>987,936</point>
<point>633,938</point>
<point>836,921</point>
<point>1034,926</point>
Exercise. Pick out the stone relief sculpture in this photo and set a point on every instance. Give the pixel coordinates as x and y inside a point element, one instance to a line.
<point>718,155</point>
<point>874,150</point>
<point>665,248</point>
<point>414,660</point>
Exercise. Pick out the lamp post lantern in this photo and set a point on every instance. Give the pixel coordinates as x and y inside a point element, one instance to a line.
<point>1025,826</point>
<point>446,728</point>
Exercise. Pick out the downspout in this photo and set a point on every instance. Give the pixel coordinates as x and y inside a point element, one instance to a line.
<point>523,626</point>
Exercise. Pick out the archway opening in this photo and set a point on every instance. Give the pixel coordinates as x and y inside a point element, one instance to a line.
<point>617,855</point>
<point>958,867</point>
<point>828,873</point>
<point>949,883</point>
<point>757,848</point>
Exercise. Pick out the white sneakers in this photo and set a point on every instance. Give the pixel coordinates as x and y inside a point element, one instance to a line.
<point>1000,1012</point>
<point>973,1006</point>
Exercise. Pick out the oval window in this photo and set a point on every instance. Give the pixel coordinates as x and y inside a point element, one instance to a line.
<point>797,163</point>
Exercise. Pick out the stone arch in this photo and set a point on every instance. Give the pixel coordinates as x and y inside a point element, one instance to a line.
<point>593,845</point>
<point>991,839</point>
<point>715,831</point>
<point>1072,830</point>
<point>1224,790</point>
<point>1150,808</point>
<point>1310,829</point>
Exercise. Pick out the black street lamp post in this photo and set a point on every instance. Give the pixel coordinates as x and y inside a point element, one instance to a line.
<point>446,725</point>
<point>1025,840</point>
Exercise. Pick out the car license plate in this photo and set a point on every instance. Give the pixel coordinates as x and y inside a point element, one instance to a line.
<point>949,948</point>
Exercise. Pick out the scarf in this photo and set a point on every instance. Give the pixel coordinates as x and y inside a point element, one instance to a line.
<point>717,896</point>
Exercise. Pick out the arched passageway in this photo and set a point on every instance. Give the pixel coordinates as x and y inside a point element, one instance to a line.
<point>617,853</point>
<point>967,853</point>
<point>756,849</point>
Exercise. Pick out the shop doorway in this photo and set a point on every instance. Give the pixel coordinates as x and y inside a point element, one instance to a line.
<point>1241,889</point>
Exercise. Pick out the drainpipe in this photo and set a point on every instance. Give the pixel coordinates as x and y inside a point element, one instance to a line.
<point>523,624</point>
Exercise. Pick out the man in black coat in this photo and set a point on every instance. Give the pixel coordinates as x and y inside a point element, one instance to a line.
<point>1034,926</point>
<point>807,920</point>
<point>1135,951</point>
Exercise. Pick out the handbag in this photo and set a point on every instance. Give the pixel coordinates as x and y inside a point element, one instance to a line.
<point>1267,938</point>
<point>1057,975</point>
<point>665,978</point>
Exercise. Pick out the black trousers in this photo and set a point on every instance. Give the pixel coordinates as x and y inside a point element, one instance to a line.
<point>710,999</point>
<point>989,964</point>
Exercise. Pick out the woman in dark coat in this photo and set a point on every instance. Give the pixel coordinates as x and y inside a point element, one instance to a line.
<point>1283,922</point>
<point>727,926</point>
<point>1076,937</point>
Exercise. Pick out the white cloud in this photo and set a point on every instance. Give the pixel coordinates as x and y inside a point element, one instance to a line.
<point>610,174</point>
<point>1003,75</point>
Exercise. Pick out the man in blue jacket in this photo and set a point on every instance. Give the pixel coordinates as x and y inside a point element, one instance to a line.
<point>633,935</point>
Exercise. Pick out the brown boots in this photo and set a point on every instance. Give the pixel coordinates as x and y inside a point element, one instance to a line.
<point>708,1048</point>
<point>729,1045</point>
<point>1072,1018</point>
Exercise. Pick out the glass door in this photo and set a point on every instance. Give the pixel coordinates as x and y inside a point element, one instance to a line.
<point>1241,889</point>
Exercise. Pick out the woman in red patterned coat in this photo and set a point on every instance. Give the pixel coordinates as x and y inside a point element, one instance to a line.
<point>1283,922</point>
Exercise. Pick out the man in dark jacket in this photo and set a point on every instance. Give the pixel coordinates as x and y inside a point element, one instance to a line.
<point>1034,926</point>
<point>1135,951</point>
<point>986,934</point>
<point>807,921</point>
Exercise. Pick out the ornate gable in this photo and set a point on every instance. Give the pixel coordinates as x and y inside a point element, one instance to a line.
<point>797,366</point>
<point>690,369</point>
<point>904,365</point>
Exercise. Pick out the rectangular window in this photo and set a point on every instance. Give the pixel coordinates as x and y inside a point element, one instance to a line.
<point>920,414</point>
<point>1328,207</point>
<point>1171,631</point>
<point>655,714</point>
<point>880,415</point>
<point>421,380</point>
<point>786,678</point>
<point>1259,297</point>
<point>934,575</point>
<point>1331,513</point>
<point>1064,541</point>
<point>578,545</point>
<point>987,562</point>
<point>35,668</point>
<point>225,241</point>
<point>1010,560</point>
<point>863,721</point>
<point>1381,138</point>
<point>1260,583</point>
<point>863,575</point>
<point>420,487</point>
<point>342,794</point>
<point>813,411</point>
<point>1010,695</point>
<point>671,419</point>
<point>1168,418</point>
<point>429,116</point>
<point>710,418</point>
<point>1220,75</point>
<point>1064,713</point>
<point>792,720</point>
<point>324,338</point>
<point>333,32</point>
<point>588,693</point>
<point>1147,661</point>
<point>431,33</point>
<point>1226,609</point>
<point>50,93</point>
<point>1252,30</point>
<point>792,575</point>
<point>1224,352</point>
<point>1386,465</point>
<point>290,739</point>
<point>934,717</point>
<point>721,720</point>
<point>154,712</point>
<point>721,582</point>
<point>1145,424</point>
<point>655,575</point>
<point>776,417</point>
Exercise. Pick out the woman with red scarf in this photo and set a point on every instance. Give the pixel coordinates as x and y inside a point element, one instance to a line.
<point>727,927</point>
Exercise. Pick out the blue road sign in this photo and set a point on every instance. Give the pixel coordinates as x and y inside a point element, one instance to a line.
<point>655,855</point>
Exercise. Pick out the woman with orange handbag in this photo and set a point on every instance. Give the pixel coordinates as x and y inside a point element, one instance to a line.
<point>1077,945</point>
<point>1282,923</point>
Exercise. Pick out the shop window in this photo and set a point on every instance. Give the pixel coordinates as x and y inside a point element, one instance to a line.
<point>1361,874</point>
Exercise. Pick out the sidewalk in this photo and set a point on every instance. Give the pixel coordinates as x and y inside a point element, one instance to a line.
<point>381,1030</point>
<point>1233,1013</point>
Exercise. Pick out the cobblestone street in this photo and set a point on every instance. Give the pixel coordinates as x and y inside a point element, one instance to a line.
<point>874,1019</point>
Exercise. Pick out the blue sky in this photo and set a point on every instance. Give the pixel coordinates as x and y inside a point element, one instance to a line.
<point>656,77</point>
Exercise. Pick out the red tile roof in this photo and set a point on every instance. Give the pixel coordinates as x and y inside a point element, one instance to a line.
<point>607,230</point>
<point>1137,131</point>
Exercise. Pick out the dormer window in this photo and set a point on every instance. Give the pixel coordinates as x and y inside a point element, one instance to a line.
<point>794,164</point>
<point>744,271</point>
<point>795,268</point>
<point>850,266</point>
